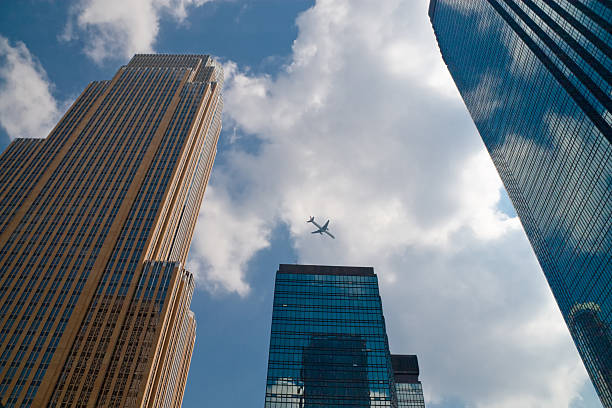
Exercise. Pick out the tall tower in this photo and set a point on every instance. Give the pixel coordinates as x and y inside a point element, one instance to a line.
<point>536,78</point>
<point>95,226</point>
<point>328,345</point>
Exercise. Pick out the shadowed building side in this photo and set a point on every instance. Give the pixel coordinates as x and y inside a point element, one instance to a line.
<point>335,372</point>
<point>95,226</point>
<point>408,388</point>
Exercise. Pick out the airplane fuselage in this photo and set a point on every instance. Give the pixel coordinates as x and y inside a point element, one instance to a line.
<point>321,229</point>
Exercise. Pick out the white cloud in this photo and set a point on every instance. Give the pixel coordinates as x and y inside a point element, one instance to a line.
<point>232,234</point>
<point>121,28</point>
<point>365,127</point>
<point>484,324</point>
<point>27,107</point>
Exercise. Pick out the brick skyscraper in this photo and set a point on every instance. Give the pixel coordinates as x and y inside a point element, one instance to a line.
<point>95,226</point>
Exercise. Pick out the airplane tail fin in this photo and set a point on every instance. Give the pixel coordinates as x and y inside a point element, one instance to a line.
<point>311,219</point>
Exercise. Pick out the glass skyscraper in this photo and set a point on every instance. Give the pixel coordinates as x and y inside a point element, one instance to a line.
<point>328,346</point>
<point>95,225</point>
<point>536,78</point>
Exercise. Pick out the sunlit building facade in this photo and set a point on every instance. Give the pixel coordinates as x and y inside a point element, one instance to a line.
<point>536,78</point>
<point>95,225</point>
<point>328,346</point>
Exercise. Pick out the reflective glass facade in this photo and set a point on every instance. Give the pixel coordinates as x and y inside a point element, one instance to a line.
<point>408,388</point>
<point>95,225</point>
<point>328,346</point>
<point>536,78</point>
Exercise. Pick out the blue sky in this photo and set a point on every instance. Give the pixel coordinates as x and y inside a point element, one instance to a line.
<point>340,109</point>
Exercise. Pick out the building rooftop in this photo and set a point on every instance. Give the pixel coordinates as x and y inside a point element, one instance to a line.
<point>326,270</point>
<point>405,368</point>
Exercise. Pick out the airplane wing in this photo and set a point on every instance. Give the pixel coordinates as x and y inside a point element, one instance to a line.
<point>321,229</point>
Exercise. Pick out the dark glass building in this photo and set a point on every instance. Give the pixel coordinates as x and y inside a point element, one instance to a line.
<point>95,225</point>
<point>407,385</point>
<point>334,367</point>
<point>328,346</point>
<point>536,78</point>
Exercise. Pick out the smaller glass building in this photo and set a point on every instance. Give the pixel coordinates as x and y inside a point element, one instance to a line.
<point>407,385</point>
<point>328,346</point>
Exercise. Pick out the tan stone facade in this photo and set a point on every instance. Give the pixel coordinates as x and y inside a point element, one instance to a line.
<point>95,226</point>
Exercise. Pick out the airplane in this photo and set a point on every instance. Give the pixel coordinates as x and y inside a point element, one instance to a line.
<point>321,229</point>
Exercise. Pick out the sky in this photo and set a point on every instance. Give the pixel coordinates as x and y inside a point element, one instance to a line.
<point>344,110</point>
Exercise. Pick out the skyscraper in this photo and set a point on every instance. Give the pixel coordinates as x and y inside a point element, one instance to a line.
<point>536,78</point>
<point>328,345</point>
<point>95,225</point>
<point>407,385</point>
